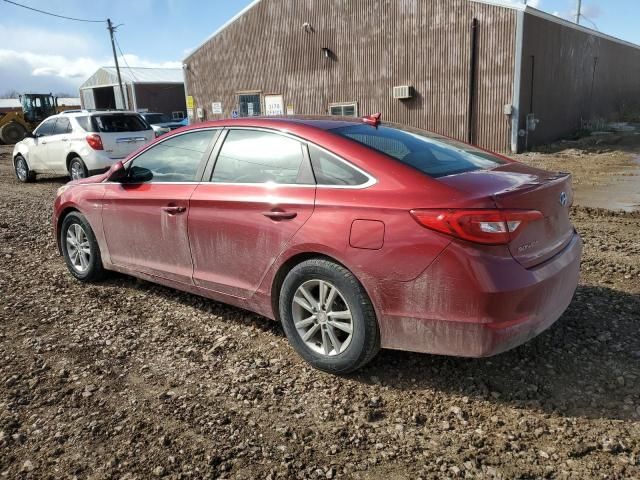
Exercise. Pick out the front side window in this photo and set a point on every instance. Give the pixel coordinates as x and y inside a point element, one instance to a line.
<point>328,170</point>
<point>46,128</point>
<point>176,159</point>
<point>429,153</point>
<point>252,156</point>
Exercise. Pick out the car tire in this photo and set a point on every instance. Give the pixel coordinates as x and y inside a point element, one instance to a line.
<point>22,170</point>
<point>12,133</point>
<point>77,169</point>
<point>80,248</point>
<point>320,333</point>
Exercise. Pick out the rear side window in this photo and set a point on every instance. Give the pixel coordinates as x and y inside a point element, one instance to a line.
<point>85,123</point>
<point>252,156</point>
<point>328,170</point>
<point>177,159</point>
<point>433,155</point>
<point>62,126</point>
<point>118,123</point>
<point>46,128</point>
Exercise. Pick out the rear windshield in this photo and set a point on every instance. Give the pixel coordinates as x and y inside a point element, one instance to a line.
<point>113,123</point>
<point>432,154</point>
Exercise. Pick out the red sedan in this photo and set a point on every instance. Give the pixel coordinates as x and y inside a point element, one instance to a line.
<point>355,234</point>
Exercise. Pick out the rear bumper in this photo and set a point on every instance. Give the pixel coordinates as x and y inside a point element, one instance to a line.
<point>479,307</point>
<point>97,161</point>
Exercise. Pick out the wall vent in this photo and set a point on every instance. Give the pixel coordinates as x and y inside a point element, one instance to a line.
<point>402,92</point>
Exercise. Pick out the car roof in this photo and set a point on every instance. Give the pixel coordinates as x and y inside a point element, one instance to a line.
<point>84,113</point>
<point>325,122</point>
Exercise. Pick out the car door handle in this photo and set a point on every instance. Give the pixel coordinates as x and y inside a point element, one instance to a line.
<point>64,139</point>
<point>279,215</point>
<point>173,209</point>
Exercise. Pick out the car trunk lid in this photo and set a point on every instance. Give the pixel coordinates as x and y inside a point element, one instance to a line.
<point>515,186</point>
<point>119,145</point>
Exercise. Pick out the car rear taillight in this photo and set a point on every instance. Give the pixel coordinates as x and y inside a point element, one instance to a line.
<point>95,141</point>
<point>489,227</point>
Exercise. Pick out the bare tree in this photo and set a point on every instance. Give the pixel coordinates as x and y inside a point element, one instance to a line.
<point>10,94</point>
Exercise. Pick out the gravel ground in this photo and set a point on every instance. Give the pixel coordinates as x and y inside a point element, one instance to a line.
<point>125,379</point>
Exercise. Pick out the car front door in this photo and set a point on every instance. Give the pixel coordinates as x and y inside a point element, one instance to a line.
<point>38,146</point>
<point>260,193</point>
<point>145,217</point>
<point>57,144</point>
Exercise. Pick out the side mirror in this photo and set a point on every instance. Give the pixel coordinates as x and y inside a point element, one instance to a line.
<point>117,173</point>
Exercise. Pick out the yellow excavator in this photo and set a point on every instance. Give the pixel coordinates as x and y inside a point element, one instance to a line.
<point>14,126</point>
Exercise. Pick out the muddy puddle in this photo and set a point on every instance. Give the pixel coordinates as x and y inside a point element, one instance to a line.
<point>621,192</point>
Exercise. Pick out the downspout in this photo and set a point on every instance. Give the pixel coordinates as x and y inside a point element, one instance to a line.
<point>472,80</point>
<point>517,82</point>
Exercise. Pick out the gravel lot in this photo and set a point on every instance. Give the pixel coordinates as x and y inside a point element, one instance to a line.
<point>125,379</point>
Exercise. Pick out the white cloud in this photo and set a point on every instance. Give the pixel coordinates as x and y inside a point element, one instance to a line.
<point>42,60</point>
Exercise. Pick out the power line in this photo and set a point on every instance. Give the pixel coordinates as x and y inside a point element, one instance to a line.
<point>53,14</point>
<point>125,59</point>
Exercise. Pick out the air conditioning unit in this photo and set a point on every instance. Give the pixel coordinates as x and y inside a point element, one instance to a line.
<point>402,92</point>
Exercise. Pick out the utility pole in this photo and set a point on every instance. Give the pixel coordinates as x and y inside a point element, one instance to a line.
<point>112,29</point>
<point>579,12</point>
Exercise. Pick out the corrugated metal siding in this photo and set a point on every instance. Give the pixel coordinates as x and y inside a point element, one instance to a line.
<point>161,98</point>
<point>376,44</point>
<point>565,89</point>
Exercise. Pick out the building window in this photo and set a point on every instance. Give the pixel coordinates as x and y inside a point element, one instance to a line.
<point>344,109</point>
<point>249,105</point>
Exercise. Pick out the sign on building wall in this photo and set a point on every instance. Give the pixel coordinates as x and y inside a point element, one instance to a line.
<point>216,108</point>
<point>274,105</point>
<point>290,110</point>
<point>190,102</point>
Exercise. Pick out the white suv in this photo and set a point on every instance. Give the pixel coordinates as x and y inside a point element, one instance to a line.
<point>80,143</point>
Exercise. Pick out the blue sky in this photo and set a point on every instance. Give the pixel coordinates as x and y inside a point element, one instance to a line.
<point>44,53</point>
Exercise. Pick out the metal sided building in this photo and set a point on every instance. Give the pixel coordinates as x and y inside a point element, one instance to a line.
<point>145,89</point>
<point>504,76</point>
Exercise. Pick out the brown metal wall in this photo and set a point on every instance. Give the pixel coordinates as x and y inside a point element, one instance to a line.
<point>377,44</point>
<point>160,97</point>
<point>567,89</point>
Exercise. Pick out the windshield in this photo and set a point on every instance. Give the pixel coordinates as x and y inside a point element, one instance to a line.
<point>432,154</point>
<point>118,123</point>
<point>156,118</point>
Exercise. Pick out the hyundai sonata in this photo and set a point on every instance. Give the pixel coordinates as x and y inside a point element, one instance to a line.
<point>355,234</point>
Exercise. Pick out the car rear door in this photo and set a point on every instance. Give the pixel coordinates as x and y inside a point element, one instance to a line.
<point>260,193</point>
<point>145,217</point>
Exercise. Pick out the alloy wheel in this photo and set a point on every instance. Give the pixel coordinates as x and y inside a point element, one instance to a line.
<point>77,171</point>
<point>78,248</point>
<point>322,317</point>
<point>22,170</point>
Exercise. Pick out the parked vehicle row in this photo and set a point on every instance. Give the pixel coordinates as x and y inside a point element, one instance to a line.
<point>80,143</point>
<point>354,234</point>
<point>161,122</point>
